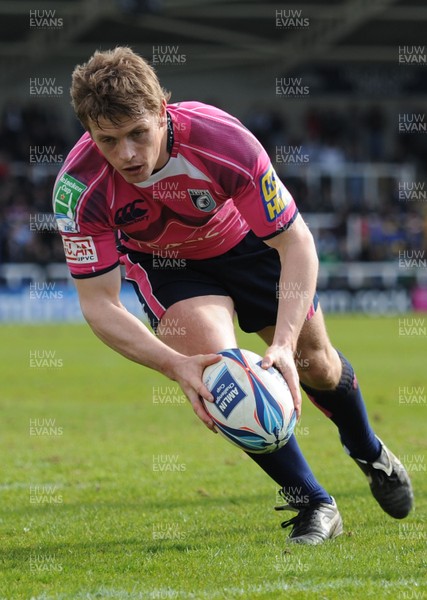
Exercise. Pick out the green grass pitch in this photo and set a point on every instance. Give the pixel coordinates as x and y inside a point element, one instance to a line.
<point>111,488</point>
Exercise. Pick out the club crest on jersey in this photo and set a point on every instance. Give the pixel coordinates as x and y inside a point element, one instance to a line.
<point>272,195</point>
<point>202,200</point>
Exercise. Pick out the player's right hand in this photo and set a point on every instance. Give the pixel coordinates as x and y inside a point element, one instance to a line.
<point>188,372</point>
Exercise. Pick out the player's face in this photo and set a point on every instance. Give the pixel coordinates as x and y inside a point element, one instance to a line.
<point>135,148</point>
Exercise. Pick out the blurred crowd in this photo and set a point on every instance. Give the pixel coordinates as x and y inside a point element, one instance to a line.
<point>326,138</point>
<point>335,141</point>
<point>32,147</point>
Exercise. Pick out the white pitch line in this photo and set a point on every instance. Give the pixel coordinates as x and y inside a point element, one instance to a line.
<point>235,592</point>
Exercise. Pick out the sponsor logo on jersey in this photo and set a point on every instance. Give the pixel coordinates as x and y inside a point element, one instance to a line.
<point>80,250</point>
<point>66,225</point>
<point>202,200</point>
<point>272,195</point>
<point>131,213</point>
<point>66,195</point>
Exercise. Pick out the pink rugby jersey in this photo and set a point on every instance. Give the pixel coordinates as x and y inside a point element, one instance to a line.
<point>217,185</point>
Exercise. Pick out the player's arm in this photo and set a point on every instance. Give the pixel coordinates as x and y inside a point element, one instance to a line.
<point>299,268</point>
<point>115,326</point>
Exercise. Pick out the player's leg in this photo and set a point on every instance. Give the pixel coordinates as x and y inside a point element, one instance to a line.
<point>204,324</point>
<point>191,311</point>
<point>199,325</point>
<point>331,384</point>
<point>342,401</point>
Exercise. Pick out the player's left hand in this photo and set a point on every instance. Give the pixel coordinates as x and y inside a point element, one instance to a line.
<point>283,359</point>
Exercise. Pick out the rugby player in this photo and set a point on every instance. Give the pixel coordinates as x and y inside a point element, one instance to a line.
<point>152,183</point>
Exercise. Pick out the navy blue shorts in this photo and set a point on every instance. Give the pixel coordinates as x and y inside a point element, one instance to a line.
<point>248,273</point>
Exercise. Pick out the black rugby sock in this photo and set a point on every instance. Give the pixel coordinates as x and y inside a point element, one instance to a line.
<point>345,407</point>
<point>290,470</point>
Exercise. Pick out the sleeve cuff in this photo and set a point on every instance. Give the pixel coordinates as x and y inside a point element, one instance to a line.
<point>283,228</point>
<point>95,273</point>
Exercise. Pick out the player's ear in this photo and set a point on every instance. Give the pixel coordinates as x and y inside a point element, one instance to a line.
<point>88,128</point>
<point>162,113</point>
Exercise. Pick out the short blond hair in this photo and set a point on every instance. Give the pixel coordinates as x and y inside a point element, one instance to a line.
<point>113,84</point>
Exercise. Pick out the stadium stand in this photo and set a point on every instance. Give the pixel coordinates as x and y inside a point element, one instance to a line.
<point>366,219</point>
<point>359,180</point>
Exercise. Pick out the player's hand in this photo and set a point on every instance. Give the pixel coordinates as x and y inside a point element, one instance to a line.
<point>283,359</point>
<point>188,371</point>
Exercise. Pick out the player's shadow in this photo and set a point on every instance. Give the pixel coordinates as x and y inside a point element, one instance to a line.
<point>162,512</point>
<point>64,550</point>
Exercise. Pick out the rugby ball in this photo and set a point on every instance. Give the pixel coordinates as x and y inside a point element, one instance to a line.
<point>253,407</point>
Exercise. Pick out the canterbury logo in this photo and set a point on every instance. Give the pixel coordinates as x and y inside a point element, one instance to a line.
<point>130,213</point>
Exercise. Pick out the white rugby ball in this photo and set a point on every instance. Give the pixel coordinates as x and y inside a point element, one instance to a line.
<point>253,407</point>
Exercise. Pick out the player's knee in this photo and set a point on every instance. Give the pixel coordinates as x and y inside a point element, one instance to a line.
<point>319,370</point>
